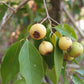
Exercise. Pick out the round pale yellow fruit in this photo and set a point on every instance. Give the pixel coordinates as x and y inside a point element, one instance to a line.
<point>76,49</point>
<point>82,42</point>
<point>45,48</point>
<point>65,43</point>
<point>67,57</point>
<point>37,31</point>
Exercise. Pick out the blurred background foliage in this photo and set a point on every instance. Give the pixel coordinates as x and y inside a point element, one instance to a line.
<point>34,12</point>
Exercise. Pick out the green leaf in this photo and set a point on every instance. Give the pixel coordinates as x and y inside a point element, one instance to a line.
<point>10,64</point>
<point>47,37</point>
<point>29,26</point>
<point>66,30</point>
<point>37,43</point>
<point>76,62</point>
<point>63,74</point>
<point>49,59</point>
<point>58,60</point>
<point>45,66</point>
<point>31,64</point>
<point>77,80</point>
<point>51,75</point>
<point>3,9</point>
<point>20,81</point>
<point>81,72</point>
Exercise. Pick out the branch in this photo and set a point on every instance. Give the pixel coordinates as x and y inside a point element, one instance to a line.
<point>73,22</point>
<point>43,20</point>
<point>2,2</point>
<point>13,12</point>
<point>6,13</point>
<point>48,17</point>
<point>48,80</point>
<point>73,66</point>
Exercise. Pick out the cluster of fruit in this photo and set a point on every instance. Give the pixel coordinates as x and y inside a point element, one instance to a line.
<point>74,49</point>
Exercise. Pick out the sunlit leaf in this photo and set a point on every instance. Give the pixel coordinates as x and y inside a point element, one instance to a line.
<point>58,34</point>
<point>77,80</point>
<point>58,60</point>
<point>20,81</point>
<point>10,63</point>
<point>51,75</point>
<point>66,30</point>
<point>31,64</point>
<point>53,39</point>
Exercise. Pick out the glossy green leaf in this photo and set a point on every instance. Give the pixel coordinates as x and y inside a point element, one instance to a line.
<point>37,43</point>
<point>45,66</point>
<point>10,63</point>
<point>77,80</point>
<point>58,60</point>
<point>47,37</point>
<point>76,62</point>
<point>49,59</point>
<point>80,72</point>
<point>66,30</point>
<point>29,26</point>
<point>64,74</point>
<point>51,75</point>
<point>31,64</point>
<point>20,81</point>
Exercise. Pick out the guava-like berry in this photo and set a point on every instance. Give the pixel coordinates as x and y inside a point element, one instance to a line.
<point>45,48</point>
<point>65,43</point>
<point>82,43</point>
<point>76,49</point>
<point>67,57</point>
<point>37,31</point>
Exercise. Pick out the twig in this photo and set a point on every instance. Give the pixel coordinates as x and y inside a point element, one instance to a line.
<point>73,22</point>
<point>73,66</point>
<point>54,21</point>
<point>48,15</point>
<point>43,20</point>
<point>13,12</point>
<point>46,9</point>
<point>6,14</point>
<point>48,80</point>
<point>2,2</point>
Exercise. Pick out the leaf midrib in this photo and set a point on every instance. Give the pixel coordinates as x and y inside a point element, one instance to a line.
<point>29,61</point>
